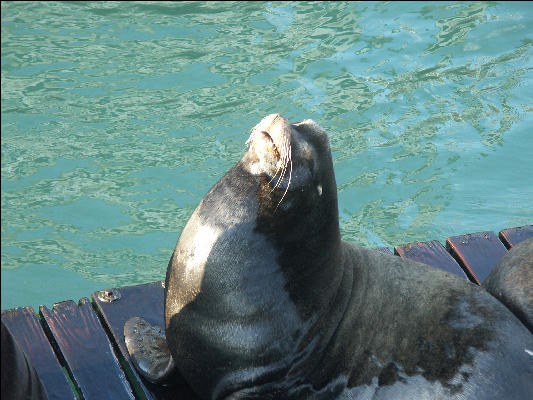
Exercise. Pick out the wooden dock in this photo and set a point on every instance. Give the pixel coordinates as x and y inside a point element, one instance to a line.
<point>78,350</point>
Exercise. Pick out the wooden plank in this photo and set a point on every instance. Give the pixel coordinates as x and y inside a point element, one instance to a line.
<point>145,301</point>
<point>86,349</point>
<point>512,236</point>
<point>27,331</point>
<point>432,253</point>
<point>477,253</point>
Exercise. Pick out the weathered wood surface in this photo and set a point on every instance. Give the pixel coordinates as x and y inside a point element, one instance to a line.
<point>86,349</point>
<point>432,253</point>
<point>85,344</point>
<point>512,236</point>
<point>477,253</point>
<point>28,332</point>
<point>145,301</point>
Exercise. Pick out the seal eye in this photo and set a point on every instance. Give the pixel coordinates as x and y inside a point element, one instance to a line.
<point>319,189</point>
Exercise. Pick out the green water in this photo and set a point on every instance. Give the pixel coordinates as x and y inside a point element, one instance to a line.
<point>118,117</point>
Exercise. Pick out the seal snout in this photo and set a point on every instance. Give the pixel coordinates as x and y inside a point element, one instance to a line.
<point>273,135</point>
<point>270,143</point>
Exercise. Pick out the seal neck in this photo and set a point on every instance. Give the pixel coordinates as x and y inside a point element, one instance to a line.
<point>307,238</point>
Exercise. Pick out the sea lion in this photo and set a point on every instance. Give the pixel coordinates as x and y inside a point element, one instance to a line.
<point>511,281</point>
<point>264,300</point>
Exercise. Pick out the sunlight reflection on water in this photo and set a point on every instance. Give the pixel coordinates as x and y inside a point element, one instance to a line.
<point>117,119</point>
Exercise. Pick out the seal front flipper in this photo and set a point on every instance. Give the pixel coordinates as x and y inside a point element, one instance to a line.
<point>148,349</point>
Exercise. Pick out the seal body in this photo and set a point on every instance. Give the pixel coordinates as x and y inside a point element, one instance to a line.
<point>511,281</point>
<point>264,300</point>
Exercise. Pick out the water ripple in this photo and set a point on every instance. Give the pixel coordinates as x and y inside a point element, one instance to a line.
<point>117,118</point>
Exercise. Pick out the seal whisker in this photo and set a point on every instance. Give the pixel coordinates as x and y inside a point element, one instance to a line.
<point>282,175</point>
<point>290,177</point>
<point>273,177</point>
<point>284,161</point>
